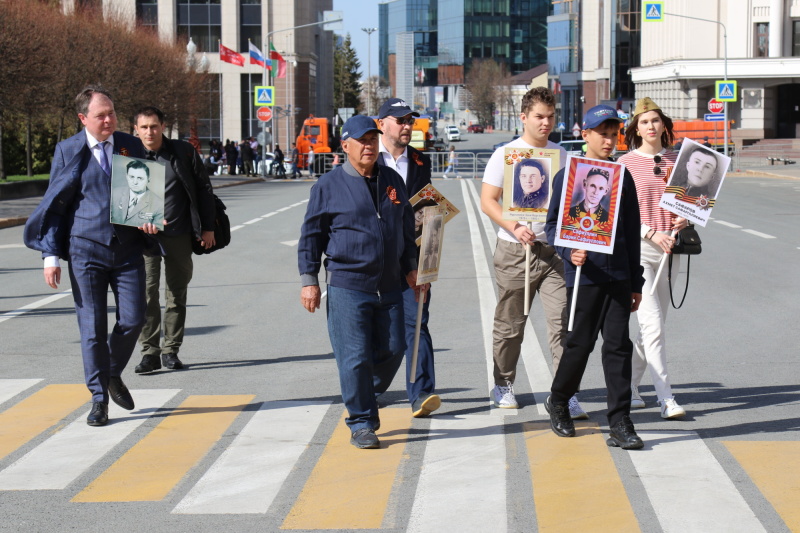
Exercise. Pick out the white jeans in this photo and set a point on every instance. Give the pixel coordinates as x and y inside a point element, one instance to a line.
<point>650,348</point>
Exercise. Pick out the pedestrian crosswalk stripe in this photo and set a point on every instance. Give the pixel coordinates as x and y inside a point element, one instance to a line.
<point>576,485</point>
<point>60,459</point>
<point>462,485</point>
<point>11,387</point>
<point>157,463</point>
<point>249,474</point>
<point>680,463</point>
<point>350,488</point>
<point>775,469</point>
<point>36,413</point>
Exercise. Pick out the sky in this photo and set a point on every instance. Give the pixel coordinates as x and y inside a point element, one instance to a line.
<point>360,14</point>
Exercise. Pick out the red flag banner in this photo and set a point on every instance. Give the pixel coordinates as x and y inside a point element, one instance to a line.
<point>229,56</point>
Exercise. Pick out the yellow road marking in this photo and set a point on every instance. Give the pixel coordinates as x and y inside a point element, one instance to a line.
<point>576,486</point>
<point>155,465</point>
<point>23,421</point>
<point>775,469</point>
<point>350,488</point>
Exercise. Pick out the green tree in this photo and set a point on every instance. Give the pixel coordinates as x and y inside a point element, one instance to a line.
<point>346,76</point>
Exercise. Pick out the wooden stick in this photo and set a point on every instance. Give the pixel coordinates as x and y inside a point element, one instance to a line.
<point>574,297</point>
<point>421,302</point>
<point>660,267</point>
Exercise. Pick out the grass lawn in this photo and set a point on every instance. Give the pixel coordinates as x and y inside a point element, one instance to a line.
<point>28,178</point>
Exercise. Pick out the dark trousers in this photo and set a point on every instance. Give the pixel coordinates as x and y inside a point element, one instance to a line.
<point>178,269</point>
<point>606,309</point>
<point>425,381</point>
<point>93,268</point>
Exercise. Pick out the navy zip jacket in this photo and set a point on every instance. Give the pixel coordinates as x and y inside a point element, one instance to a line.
<point>367,248</point>
<point>603,268</point>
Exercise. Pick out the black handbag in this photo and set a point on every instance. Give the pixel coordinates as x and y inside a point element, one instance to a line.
<point>686,243</point>
<point>222,230</point>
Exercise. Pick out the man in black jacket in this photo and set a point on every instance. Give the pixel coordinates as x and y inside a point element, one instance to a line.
<point>396,120</point>
<point>189,213</point>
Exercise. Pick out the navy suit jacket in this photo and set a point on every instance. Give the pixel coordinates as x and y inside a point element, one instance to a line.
<point>78,199</point>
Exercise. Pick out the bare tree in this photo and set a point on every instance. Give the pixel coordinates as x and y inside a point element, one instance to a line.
<point>481,82</point>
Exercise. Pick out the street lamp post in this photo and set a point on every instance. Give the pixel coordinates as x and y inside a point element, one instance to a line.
<point>369,32</point>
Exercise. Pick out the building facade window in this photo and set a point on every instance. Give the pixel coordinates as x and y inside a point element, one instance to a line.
<point>250,25</point>
<point>208,115</point>
<point>200,20</point>
<point>250,123</point>
<point>762,40</point>
<point>626,47</point>
<point>147,14</point>
<point>796,38</point>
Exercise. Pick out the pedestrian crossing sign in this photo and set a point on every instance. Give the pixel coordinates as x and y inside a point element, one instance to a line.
<point>264,95</point>
<point>653,11</point>
<point>726,90</point>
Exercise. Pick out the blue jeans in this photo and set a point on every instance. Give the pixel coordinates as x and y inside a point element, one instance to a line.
<point>425,382</point>
<point>368,339</point>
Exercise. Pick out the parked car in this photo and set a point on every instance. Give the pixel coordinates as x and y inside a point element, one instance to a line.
<point>573,147</point>
<point>474,128</point>
<point>453,133</point>
<point>501,144</point>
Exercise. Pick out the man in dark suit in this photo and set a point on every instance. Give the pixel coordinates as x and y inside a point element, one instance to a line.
<point>396,120</point>
<point>73,223</point>
<point>189,211</point>
<point>137,203</point>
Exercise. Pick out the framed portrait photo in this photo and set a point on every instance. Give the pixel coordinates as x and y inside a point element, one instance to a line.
<point>527,182</point>
<point>588,214</point>
<point>137,191</point>
<point>430,253</point>
<point>428,196</point>
<point>695,182</point>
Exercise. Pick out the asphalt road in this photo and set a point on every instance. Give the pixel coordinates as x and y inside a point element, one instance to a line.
<point>250,435</point>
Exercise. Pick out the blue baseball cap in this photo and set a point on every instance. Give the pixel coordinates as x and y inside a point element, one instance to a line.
<point>395,107</point>
<point>599,114</point>
<point>357,126</point>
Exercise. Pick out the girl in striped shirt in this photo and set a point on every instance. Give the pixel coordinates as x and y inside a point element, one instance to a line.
<point>651,163</point>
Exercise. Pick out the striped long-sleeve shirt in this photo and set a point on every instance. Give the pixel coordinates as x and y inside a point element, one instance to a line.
<point>650,187</point>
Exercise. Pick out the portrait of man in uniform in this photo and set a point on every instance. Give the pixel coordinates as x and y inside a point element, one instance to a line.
<point>134,200</point>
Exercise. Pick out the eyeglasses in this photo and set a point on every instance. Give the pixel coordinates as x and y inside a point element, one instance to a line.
<point>656,168</point>
<point>406,121</point>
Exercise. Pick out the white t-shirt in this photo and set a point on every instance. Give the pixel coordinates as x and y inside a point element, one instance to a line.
<point>493,175</point>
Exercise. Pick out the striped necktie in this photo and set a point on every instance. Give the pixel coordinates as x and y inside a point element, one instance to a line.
<point>104,158</point>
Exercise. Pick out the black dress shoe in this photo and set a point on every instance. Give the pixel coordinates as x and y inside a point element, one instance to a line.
<point>171,361</point>
<point>120,393</point>
<point>623,435</point>
<point>560,420</point>
<point>98,415</point>
<point>150,363</point>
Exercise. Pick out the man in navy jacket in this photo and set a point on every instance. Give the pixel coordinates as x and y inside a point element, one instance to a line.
<point>73,222</point>
<point>359,217</point>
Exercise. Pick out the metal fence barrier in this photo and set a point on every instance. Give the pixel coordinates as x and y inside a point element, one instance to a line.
<point>779,153</point>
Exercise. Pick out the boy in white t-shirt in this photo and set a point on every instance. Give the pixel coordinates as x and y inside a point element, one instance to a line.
<point>547,269</point>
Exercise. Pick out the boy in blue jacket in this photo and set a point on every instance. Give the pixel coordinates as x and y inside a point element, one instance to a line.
<point>610,290</point>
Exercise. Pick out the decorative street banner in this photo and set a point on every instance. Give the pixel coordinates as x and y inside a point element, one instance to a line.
<point>137,191</point>
<point>429,196</point>
<point>527,180</point>
<point>432,238</point>
<point>695,182</point>
<point>587,216</point>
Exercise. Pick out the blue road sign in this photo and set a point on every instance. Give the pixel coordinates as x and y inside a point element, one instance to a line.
<point>561,126</point>
<point>714,117</point>
<point>726,90</point>
<point>653,11</point>
<point>264,95</point>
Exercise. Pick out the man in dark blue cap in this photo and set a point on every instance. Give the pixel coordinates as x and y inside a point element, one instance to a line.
<point>396,120</point>
<point>610,290</point>
<point>359,216</point>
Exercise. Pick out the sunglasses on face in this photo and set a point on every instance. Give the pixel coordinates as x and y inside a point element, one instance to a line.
<point>656,168</point>
<point>405,121</point>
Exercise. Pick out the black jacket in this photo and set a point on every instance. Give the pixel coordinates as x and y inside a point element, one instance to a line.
<point>191,172</point>
<point>419,170</point>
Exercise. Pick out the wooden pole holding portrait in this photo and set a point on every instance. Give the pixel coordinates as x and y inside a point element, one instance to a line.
<point>589,210</point>
<point>527,187</point>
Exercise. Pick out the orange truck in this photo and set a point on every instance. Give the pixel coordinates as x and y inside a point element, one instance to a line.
<point>316,133</point>
<point>695,130</point>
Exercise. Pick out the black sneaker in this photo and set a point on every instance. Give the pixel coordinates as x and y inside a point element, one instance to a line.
<point>365,438</point>
<point>623,435</point>
<point>560,419</point>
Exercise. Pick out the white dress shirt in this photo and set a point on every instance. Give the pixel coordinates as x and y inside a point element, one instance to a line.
<point>400,165</point>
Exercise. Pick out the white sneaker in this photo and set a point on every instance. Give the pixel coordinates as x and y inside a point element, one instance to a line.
<point>671,409</point>
<point>503,397</point>
<point>576,412</point>
<point>636,400</point>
